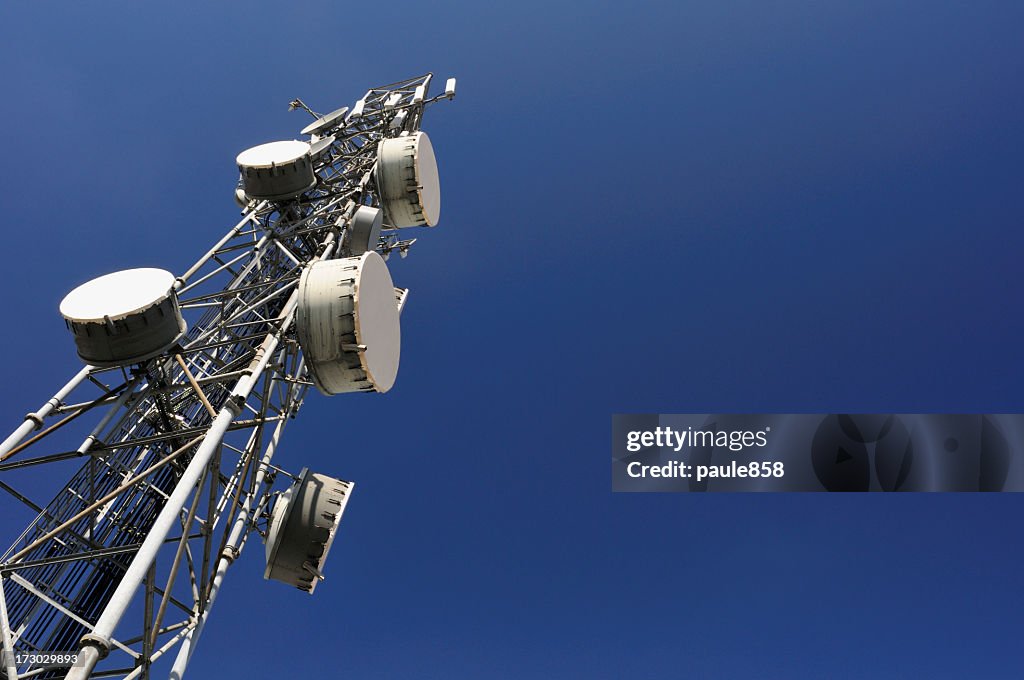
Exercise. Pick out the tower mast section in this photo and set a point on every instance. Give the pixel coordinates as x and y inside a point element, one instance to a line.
<point>176,462</point>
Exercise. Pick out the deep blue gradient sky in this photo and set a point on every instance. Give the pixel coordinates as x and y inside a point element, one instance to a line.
<point>648,206</point>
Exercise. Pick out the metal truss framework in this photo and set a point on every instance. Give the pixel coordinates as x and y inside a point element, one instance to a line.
<point>178,468</point>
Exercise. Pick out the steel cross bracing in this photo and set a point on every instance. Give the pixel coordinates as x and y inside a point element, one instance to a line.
<point>177,450</point>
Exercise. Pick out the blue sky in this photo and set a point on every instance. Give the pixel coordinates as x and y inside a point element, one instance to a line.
<point>647,207</point>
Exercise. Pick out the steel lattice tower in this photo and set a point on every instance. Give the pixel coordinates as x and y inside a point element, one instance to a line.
<point>178,470</point>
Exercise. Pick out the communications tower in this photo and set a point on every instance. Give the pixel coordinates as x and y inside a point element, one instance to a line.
<point>188,384</point>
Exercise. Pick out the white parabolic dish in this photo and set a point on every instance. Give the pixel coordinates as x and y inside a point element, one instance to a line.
<point>303,526</point>
<point>276,171</point>
<point>273,153</point>
<point>408,181</point>
<point>348,326</point>
<point>377,324</point>
<point>117,295</point>
<point>324,122</point>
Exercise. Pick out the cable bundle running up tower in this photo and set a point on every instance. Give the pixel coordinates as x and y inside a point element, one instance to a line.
<point>188,384</point>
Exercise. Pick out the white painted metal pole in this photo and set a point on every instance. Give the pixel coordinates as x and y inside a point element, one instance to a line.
<point>33,421</point>
<point>95,645</point>
<point>227,558</point>
<point>99,639</point>
<point>8,643</point>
